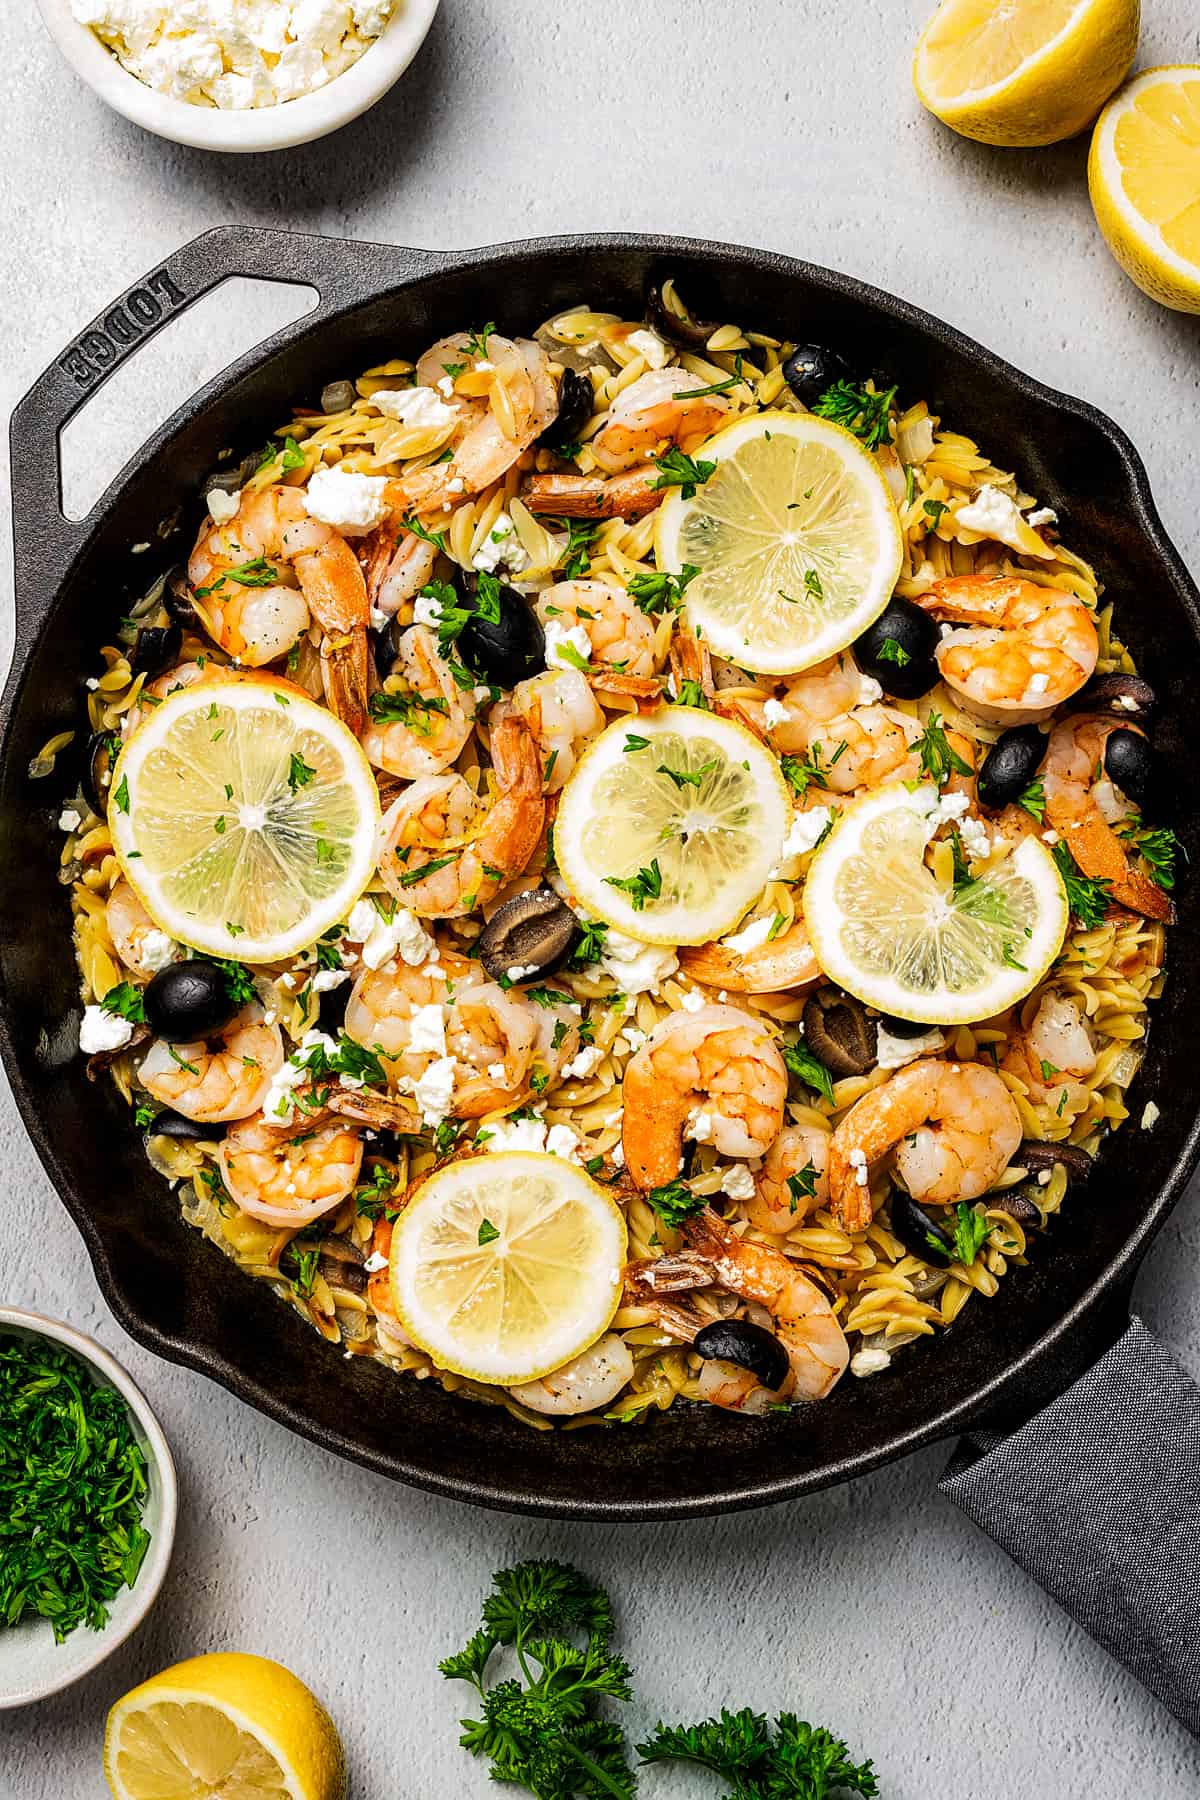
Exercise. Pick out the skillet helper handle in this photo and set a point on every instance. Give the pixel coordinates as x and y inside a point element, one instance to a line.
<point>1098,1498</point>
<point>45,540</point>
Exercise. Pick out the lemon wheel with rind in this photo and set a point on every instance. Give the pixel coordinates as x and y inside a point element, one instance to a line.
<point>507,1265</point>
<point>1144,181</point>
<point>795,537</point>
<point>223,1727</point>
<point>670,824</point>
<point>884,928</point>
<point>244,815</point>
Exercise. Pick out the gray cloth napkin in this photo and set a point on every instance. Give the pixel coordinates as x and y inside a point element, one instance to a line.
<point>1098,1498</point>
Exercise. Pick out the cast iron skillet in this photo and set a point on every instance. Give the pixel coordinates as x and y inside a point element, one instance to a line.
<point>168,1287</point>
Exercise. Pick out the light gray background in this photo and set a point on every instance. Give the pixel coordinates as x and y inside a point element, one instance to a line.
<point>876,1608</point>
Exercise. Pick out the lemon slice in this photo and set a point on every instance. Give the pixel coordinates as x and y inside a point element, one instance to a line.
<point>1144,177</point>
<point>223,1727</point>
<point>244,815</point>
<point>886,930</point>
<point>1028,72</point>
<point>670,824</point>
<point>507,1265</point>
<point>795,536</point>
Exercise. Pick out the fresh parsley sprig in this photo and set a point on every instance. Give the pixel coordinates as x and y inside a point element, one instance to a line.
<point>684,472</point>
<point>787,1759</point>
<point>1088,898</point>
<point>658,591</point>
<point>859,410</point>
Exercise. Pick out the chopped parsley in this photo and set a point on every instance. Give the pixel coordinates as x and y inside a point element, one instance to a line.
<point>809,1069</point>
<point>590,947</point>
<point>645,885</point>
<point>1158,847</point>
<point>413,526</point>
<point>684,472</point>
<point>858,410</point>
<point>674,1202</point>
<point>1087,898</point>
<point>684,778</point>
<point>125,1001</point>
<point>487,1232</point>
<point>971,1232</point>
<point>892,651</point>
<point>1033,800</point>
<point>121,795</point>
<point>660,591</point>
<point>300,773</point>
<point>802,1186</point>
<point>939,758</point>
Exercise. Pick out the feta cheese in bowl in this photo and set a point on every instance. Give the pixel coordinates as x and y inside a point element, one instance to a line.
<point>239,74</point>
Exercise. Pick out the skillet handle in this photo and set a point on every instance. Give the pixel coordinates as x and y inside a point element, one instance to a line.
<point>45,540</point>
<point>1098,1498</point>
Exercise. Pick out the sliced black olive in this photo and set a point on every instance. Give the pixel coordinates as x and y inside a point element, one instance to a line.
<point>812,369</point>
<point>338,396</point>
<point>157,648</point>
<point>576,404</point>
<point>917,1230</point>
<point>898,650</point>
<point>1035,1155</point>
<point>177,597</point>
<point>904,1028</point>
<point>749,1346</point>
<point>1128,696</point>
<point>1010,765</point>
<point>331,1008</point>
<point>678,323</point>
<point>1017,1205</point>
<point>188,1000</point>
<point>838,1030</point>
<point>101,755</point>
<point>184,1131</point>
<point>1131,764</point>
<point>531,931</point>
<point>508,649</point>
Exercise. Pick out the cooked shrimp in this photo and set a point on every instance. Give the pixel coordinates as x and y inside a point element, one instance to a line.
<point>138,942</point>
<point>1024,650</point>
<point>627,496</point>
<point>443,852</point>
<point>620,634</point>
<point>1081,803</point>
<point>290,1174</point>
<point>793,1180</point>
<point>953,1128</point>
<point>219,1078</point>
<point>379,1290</point>
<point>829,690</point>
<point>718,1069</point>
<point>520,400</point>
<point>562,713</point>
<point>660,407</point>
<point>185,675</point>
<point>432,716</point>
<point>864,748</point>
<point>585,1384</point>
<point>804,1320</point>
<point>1054,1054</point>
<point>774,967</point>
<point>397,567</point>
<point>257,617</point>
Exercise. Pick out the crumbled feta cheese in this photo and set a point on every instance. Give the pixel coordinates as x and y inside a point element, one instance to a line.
<point>562,1141</point>
<point>278,1104</point>
<point>584,1063</point>
<point>518,971</point>
<point>650,347</point>
<point>502,549</point>
<point>1039,683</point>
<point>893,1052</point>
<point>1045,515</point>
<point>417,407</point>
<point>516,1134</point>
<point>434,1090</point>
<point>775,713</point>
<point>636,968</point>
<point>803,834</point>
<point>235,53</point>
<point>325,980</point>
<point>869,691</point>
<point>381,939</point>
<point>223,506</point>
<point>427,610</point>
<point>692,1002</point>
<point>699,1126</point>
<point>374,1264</point>
<point>738,1182</point>
<point>1050,837</point>
<point>427,1029</point>
<point>353,504</point>
<point>870,1360</point>
<point>634,1037</point>
<point>445,385</point>
<point>497,1072</point>
<point>155,951</point>
<point>1150,1116</point>
<point>103,1031</point>
<point>751,938</point>
<point>996,515</point>
<point>69,819</point>
<point>573,638</point>
<point>948,808</point>
<point>858,1162</point>
<point>976,841</point>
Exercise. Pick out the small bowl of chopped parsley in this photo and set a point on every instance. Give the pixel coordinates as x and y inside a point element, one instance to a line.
<point>87,1506</point>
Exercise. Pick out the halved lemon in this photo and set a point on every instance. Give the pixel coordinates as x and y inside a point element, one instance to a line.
<point>670,824</point>
<point>885,929</point>
<point>223,1727</point>
<point>1144,178</point>
<point>795,536</point>
<point>505,1266</point>
<point>1025,72</point>
<point>244,815</point>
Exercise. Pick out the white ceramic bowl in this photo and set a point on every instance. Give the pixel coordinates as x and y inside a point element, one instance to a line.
<point>260,128</point>
<point>32,1665</point>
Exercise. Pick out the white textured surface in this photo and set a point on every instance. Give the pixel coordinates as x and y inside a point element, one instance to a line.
<point>875,1608</point>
